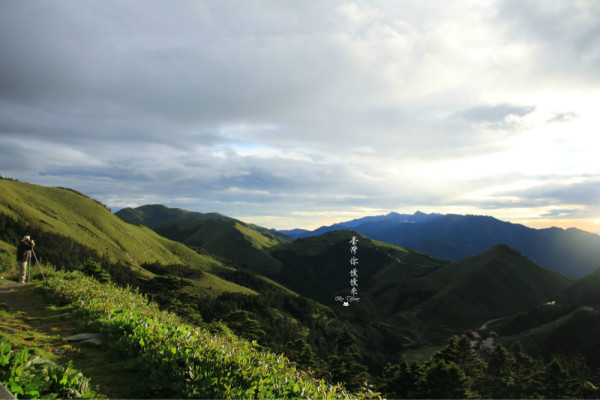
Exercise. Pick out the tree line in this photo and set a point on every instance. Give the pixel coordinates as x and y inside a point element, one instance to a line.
<point>457,372</point>
<point>316,341</point>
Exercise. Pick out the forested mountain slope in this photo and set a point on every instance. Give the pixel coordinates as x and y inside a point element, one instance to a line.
<point>571,252</point>
<point>74,232</point>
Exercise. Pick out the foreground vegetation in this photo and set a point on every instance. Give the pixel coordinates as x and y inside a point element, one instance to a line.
<point>27,375</point>
<point>456,371</point>
<point>181,361</point>
<point>215,330</point>
<point>172,359</point>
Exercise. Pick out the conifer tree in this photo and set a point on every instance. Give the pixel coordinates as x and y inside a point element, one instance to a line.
<point>499,375</point>
<point>449,353</point>
<point>93,268</point>
<point>399,381</point>
<point>554,379</point>
<point>240,322</point>
<point>300,352</point>
<point>460,351</point>
<point>526,384</point>
<point>443,379</point>
<point>346,367</point>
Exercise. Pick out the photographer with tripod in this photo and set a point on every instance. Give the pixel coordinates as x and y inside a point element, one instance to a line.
<point>24,256</point>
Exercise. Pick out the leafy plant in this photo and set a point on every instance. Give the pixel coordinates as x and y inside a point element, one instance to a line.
<point>173,359</point>
<point>30,376</point>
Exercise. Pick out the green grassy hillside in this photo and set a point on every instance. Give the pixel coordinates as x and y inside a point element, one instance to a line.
<point>571,325</point>
<point>228,239</point>
<point>239,242</point>
<point>314,267</point>
<point>153,214</point>
<point>198,287</point>
<point>495,283</point>
<point>167,358</point>
<point>319,266</point>
<point>583,292</point>
<point>86,224</point>
<point>407,298</point>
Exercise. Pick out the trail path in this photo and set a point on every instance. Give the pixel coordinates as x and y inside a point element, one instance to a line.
<point>30,321</point>
<point>491,321</point>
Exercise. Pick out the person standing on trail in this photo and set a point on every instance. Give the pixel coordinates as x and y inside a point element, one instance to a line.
<point>23,256</point>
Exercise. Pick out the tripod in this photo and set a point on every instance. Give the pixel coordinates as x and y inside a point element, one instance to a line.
<point>38,264</point>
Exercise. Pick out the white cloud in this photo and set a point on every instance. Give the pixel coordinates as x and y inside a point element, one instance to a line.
<point>302,106</point>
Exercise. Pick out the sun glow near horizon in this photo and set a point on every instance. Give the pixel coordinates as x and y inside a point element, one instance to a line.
<point>304,114</point>
<point>532,218</point>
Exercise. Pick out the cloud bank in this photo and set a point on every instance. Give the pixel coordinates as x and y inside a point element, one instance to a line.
<point>296,114</point>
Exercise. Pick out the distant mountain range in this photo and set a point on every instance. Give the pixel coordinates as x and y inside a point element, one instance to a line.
<point>408,298</point>
<point>569,325</point>
<point>572,252</point>
<point>355,223</point>
<point>69,227</point>
<point>233,240</point>
<point>155,214</point>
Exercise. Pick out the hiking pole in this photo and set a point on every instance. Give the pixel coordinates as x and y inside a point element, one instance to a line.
<point>38,264</point>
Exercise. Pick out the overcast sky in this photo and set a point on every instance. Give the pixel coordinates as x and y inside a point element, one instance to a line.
<point>304,113</point>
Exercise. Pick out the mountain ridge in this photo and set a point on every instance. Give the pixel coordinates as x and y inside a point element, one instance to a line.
<point>572,252</point>
<point>511,283</point>
<point>408,299</point>
<point>313,266</point>
<point>78,226</point>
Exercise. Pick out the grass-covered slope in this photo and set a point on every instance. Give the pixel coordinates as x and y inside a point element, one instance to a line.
<point>577,332</point>
<point>153,214</point>
<point>86,221</point>
<point>80,220</point>
<point>495,283</point>
<point>229,239</point>
<point>583,292</point>
<point>175,360</point>
<point>242,243</point>
<point>575,316</point>
<point>318,266</point>
<point>394,280</point>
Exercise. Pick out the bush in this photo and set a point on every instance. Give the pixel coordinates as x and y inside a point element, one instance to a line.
<point>94,269</point>
<point>7,261</point>
<point>180,361</point>
<point>30,376</point>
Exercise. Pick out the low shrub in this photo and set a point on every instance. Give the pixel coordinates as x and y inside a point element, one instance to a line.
<point>177,360</point>
<point>31,376</point>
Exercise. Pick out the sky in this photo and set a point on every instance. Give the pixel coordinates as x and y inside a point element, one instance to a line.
<point>298,114</point>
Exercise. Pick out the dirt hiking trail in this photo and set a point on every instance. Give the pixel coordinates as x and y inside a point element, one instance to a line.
<point>29,319</point>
